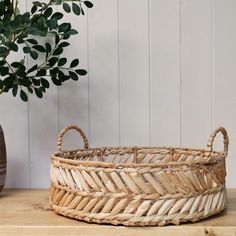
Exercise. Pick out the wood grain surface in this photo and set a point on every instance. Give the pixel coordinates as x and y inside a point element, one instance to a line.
<point>27,213</point>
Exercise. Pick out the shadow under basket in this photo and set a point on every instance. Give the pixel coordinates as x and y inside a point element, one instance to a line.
<point>138,186</point>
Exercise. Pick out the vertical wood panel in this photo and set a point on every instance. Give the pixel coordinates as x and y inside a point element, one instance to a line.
<point>182,80</point>
<point>134,72</point>
<point>14,120</point>
<point>43,130</point>
<point>73,96</point>
<point>165,72</point>
<point>224,76</point>
<point>103,73</point>
<point>196,71</point>
<point>43,125</point>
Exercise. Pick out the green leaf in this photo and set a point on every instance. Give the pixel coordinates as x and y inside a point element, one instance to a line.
<point>33,68</point>
<point>39,48</point>
<point>2,63</point>
<point>64,27</point>
<point>21,72</point>
<point>8,82</point>
<point>58,52</point>
<point>33,9</point>
<point>62,61</point>
<point>1,84</point>
<point>30,90</point>
<point>14,90</point>
<point>42,89</point>
<point>34,55</point>
<point>3,50</point>
<point>73,75</point>
<point>63,44</point>
<point>16,65</point>
<point>66,36</point>
<point>61,76</point>
<point>4,71</point>
<point>53,72</point>
<point>48,12</point>
<point>76,9</point>
<point>57,15</point>
<point>81,72</point>
<point>40,27</point>
<point>25,82</point>
<point>72,32</point>
<point>74,63</point>
<point>38,4</point>
<point>20,40</point>
<point>13,46</point>
<point>48,47</point>
<point>66,7</point>
<point>23,96</point>
<point>52,23</point>
<point>32,41</point>
<point>26,50</point>
<point>42,72</point>
<point>56,81</point>
<point>36,82</point>
<point>57,39</point>
<point>1,26</point>
<point>45,83</point>
<point>52,61</point>
<point>88,4</point>
<point>57,2</point>
<point>38,92</point>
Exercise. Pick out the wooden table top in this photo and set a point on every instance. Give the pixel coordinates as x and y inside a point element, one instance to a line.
<point>27,213</point>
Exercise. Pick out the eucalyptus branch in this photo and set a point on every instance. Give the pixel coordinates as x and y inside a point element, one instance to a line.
<point>49,56</point>
<point>26,28</point>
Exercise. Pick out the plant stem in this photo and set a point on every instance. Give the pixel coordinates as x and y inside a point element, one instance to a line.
<point>27,44</point>
<point>10,67</point>
<point>49,55</point>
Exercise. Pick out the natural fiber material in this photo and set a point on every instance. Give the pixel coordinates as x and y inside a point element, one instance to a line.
<point>138,186</point>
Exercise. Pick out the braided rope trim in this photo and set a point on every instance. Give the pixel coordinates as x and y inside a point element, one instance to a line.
<point>144,196</point>
<point>131,168</point>
<point>58,161</point>
<point>137,211</point>
<point>125,159</point>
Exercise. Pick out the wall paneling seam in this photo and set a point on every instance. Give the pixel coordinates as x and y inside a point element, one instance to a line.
<point>118,69</point>
<point>212,68</point>
<point>180,75</point>
<point>88,78</point>
<point>28,117</point>
<point>149,70</point>
<point>58,106</point>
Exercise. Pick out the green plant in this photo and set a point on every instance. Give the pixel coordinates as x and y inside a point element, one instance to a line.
<point>42,36</point>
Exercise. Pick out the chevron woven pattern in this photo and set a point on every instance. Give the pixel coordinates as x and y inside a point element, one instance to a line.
<point>138,186</point>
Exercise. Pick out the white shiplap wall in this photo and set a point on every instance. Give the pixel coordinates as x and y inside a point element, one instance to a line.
<point>161,72</point>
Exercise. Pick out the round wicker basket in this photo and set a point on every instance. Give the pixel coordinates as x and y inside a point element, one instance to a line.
<point>138,186</point>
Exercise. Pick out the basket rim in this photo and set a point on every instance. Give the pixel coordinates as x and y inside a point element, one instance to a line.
<point>212,157</point>
<point>209,155</point>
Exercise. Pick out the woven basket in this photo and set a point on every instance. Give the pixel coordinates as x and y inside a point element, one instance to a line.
<point>138,186</point>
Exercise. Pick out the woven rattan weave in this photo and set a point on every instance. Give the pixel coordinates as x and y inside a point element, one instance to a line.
<point>138,186</point>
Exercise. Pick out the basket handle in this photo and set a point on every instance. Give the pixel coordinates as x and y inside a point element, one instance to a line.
<point>225,139</point>
<point>62,133</point>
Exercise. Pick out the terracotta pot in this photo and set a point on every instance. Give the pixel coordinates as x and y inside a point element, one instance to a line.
<point>3,160</point>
